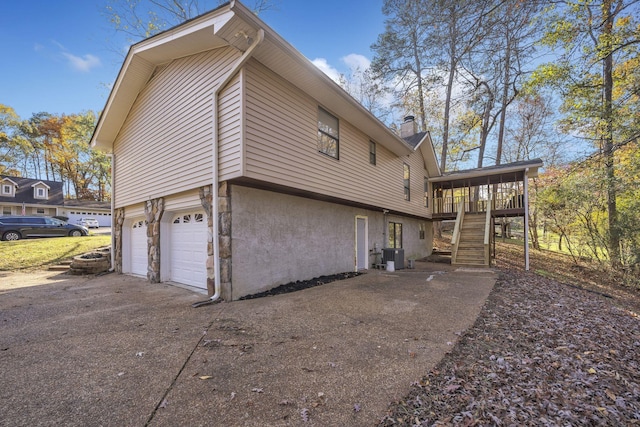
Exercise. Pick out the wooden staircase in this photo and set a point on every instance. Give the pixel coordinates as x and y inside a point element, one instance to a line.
<point>471,249</point>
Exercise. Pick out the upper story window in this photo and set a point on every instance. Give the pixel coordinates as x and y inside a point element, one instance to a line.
<point>328,136</point>
<point>40,193</point>
<point>372,152</point>
<point>40,190</point>
<point>426,192</point>
<point>407,179</point>
<point>8,188</point>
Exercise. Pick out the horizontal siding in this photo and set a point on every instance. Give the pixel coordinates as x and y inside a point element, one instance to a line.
<point>164,146</point>
<point>187,200</point>
<point>281,148</point>
<point>230,130</point>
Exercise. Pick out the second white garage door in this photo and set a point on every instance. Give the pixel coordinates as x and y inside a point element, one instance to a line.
<point>189,249</point>
<point>138,247</point>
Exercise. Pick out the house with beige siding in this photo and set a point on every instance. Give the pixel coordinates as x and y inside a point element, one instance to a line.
<point>239,166</point>
<point>40,197</point>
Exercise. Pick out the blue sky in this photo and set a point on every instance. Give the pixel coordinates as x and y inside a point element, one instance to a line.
<point>59,56</point>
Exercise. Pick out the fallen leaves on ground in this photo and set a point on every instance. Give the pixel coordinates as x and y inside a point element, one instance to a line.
<point>540,353</point>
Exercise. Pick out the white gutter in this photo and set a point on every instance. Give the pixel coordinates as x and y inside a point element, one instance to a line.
<point>214,196</point>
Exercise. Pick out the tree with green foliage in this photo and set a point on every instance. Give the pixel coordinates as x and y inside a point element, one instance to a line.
<point>597,40</point>
<point>53,147</point>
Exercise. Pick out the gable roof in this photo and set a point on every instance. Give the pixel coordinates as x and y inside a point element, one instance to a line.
<point>24,191</point>
<point>233,25</point>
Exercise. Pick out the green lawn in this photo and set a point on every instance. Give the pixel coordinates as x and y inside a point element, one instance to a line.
<point>35,253</point>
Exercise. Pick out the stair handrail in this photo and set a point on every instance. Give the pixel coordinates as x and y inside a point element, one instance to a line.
<point>456,230</point>
<point>487,232</point>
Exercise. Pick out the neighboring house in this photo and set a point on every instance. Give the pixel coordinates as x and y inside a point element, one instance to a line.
<point>75,210</point>
<point>26,196</point>
<point>237,162</point>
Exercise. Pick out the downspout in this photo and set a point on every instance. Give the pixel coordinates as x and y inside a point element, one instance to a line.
<point>113,217</point>
<point>214,196</point>
<point>526,219</point>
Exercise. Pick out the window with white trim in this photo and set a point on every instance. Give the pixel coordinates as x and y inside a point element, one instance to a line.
<point>372,153</point>
<point>6,190</point>
<point>40,193</point>
<point>407,180</point>
<point>328,135</point>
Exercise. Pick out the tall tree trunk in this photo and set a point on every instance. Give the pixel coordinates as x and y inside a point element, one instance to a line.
<point>614,232</point>
<point>423,118</point>
<point>486,123</point>
<point>447,111</point>
<point>505,97</point>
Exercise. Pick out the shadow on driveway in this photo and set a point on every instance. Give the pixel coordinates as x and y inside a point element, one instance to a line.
<point>115,350</point>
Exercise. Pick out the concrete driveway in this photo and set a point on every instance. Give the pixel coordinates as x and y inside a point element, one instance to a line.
<point>114,350</point>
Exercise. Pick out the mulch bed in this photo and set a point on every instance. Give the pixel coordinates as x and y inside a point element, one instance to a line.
<point>540,353</point>
<point>301,284</point>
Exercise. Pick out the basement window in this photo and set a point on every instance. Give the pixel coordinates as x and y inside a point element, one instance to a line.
<point>395,235</point>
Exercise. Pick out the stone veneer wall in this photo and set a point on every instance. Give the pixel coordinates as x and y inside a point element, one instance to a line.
<point>224,238</point>
<point>153,211</point>
<point>118,221</point>
<point>205,201</point>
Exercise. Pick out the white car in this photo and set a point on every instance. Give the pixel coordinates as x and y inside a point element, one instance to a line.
<point>90,222</point>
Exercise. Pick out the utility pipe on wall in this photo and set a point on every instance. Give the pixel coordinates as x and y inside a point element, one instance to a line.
<point>526,219</point>
<point>214,196</point>
<point>113,217</point>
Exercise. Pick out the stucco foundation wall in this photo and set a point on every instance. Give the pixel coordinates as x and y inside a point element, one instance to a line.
<point>278,238</point>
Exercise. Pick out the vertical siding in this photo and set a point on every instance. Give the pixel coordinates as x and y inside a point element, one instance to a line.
<point>164,146</point>
<point>281,148</point>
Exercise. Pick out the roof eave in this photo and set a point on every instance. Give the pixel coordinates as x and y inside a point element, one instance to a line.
<point>531,167</point>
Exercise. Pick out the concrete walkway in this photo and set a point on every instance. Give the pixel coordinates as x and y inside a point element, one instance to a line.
<point>116,351</point>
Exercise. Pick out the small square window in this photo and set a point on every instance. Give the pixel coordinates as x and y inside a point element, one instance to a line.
<point>6,189</point>
<point>372,152</point>
<point>40,211</point>
<point>6,210</point>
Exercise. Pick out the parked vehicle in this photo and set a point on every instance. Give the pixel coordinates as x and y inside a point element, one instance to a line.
<point>22,227</point>
<point>89,222</point>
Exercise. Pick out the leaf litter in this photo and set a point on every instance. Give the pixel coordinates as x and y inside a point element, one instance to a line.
<point>540,353</point>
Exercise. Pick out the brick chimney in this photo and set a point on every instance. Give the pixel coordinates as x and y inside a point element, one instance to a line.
<point>409,127</point>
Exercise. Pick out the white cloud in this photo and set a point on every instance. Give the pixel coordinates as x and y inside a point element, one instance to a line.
<point>356,62</point>
<point>324,66</point>
<point>83,64</point>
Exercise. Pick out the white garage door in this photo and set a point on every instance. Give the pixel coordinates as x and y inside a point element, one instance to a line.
<point>189,249</point>
<point>139,255</point>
